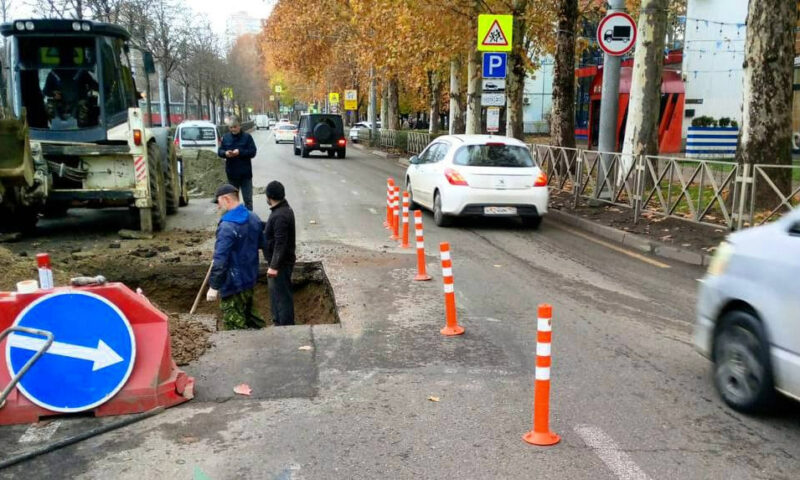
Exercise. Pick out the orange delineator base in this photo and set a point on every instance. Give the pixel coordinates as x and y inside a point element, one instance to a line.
<point>154,381</point>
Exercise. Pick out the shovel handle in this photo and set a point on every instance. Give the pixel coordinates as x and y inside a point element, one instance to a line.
<point>202,289</point>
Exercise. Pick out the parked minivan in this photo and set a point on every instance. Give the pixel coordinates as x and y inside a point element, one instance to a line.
<point>196,134</point>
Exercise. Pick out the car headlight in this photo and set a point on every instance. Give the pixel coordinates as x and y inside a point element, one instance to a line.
<point>722,256</point>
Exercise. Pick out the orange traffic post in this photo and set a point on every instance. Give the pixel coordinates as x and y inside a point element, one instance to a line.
<point>389,194</point>
<point>422,274</point>
<point>541,434</point>
<point>396,215</point>
<point>406,205</point>
<point>452,327</point>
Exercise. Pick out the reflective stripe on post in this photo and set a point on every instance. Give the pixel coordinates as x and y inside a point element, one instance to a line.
<point>396,215</point>
<point>406,205</point>
<point>452,327</point>
<point>422,274</point>
<point>45,271</point>
<point>389,194</point>
<point>541,434</point>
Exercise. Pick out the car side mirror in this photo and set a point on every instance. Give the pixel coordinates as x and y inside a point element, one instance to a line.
<point>414,160</point>
<point>795,230</point>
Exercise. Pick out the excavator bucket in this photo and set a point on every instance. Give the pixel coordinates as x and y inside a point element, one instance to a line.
<point>16,163</point>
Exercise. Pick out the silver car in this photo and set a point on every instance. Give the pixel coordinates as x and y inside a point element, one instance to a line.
<point>748,315</point>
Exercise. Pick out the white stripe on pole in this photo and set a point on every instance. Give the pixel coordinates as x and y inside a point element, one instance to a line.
<point>448,288</point>
<point>447,272</point>
<point>420,245</point>
<point>445,255</point>
<point>544,325</point>
<point>542,373</point>
<point>543,349</point>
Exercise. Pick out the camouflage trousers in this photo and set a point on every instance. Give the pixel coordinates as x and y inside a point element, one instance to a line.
<point>239,312</point>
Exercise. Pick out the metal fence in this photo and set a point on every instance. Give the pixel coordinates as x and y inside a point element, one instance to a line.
<point>417,141</point>
<point>711,192</point>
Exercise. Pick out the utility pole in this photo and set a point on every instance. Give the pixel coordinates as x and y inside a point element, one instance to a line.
<point>609,108</point>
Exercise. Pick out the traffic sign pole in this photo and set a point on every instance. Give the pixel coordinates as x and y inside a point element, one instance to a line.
<point>609,107</point>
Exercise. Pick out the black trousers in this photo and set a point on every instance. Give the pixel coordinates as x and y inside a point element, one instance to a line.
<point>245,186</point>
<point>281,298</point>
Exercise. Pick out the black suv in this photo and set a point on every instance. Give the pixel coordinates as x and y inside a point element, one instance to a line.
<point>320,131</point>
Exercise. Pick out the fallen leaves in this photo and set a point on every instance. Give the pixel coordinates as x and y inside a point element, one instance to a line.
<point>242,389</point>
<point>305,348</point>
<point>433,399</point>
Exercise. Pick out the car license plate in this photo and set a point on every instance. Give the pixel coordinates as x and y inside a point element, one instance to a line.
<point>500,210</point>
<point>326,145</point>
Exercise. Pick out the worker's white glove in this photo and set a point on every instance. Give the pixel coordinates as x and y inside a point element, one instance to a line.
<point>211,295</point>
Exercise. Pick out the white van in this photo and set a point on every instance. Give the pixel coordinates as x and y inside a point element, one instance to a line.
<point>262,121</point>
<point>196,134</point>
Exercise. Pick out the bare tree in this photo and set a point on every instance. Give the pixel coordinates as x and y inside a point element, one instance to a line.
<point>562,129</point>
<point>168,41</point>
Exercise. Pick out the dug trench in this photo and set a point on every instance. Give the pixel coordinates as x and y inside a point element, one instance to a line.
<point>173,288</point>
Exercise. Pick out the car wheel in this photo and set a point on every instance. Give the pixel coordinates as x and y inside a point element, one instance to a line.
<point>296,150</point>
<point>742,367</point>
<point>331,153</point>
<point>439,217</point>
<point>412,205</point>
<point>303,152</point>
<point>532,222</point>
<point>342,153</point>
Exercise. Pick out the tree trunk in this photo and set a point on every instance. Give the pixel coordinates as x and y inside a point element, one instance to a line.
<point>435,88</point>
<point>456,98</point>
<point>385,103</point>
<point>516,74</point>
<point>373,106</point>
<point>766,133</point>
<point>473,125</point>
<point>165,122</point>
<point>393,105</point>
<point>200,104</point>
<point>641,129</point>
<point>186,102</point>
<point>562,124</point>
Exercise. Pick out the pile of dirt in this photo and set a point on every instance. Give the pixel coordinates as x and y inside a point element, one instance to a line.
<point>189,338</point>
<point>205,171</point>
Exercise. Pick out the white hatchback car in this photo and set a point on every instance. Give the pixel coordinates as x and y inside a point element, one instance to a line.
<point>478,175</point>
<point>285,132</point>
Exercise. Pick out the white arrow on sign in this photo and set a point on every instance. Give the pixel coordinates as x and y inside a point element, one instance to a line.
<point>103,356</point>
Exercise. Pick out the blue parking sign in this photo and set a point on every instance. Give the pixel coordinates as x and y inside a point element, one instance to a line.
<point>494,65</point>
<point>91,357</point>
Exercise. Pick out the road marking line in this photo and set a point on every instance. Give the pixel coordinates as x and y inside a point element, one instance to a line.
<point>372,211</point>
<point>611,246</point>
<point>609,452</point>
<point>36,434</point>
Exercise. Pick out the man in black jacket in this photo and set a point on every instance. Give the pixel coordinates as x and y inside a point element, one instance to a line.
<point>280,253</point>
<point>238,148</point>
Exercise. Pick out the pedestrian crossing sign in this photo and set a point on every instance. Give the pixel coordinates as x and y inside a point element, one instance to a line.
<point>495,33</point>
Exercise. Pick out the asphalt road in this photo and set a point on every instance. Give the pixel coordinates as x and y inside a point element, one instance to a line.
<point>630,397</point>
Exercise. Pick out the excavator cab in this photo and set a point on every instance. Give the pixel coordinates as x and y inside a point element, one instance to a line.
<point>72,78</point>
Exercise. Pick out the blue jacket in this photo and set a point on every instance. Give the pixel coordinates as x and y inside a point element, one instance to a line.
<point>240,235</point>
<point>238,167</point>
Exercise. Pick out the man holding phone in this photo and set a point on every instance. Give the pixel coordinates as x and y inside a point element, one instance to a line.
<point>238,148</point>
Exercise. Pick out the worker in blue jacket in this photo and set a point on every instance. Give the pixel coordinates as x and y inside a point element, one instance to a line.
<point>234,273</point>
<point>238,148</point>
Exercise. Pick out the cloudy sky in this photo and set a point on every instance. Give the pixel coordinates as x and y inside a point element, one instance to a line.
<point>216,10</point>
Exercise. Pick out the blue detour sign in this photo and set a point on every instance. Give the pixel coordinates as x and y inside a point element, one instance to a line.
<point>494,65</point>
<point>91,357</point>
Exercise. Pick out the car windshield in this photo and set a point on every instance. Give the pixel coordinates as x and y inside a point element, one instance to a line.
<point>198,134</point>
<point>494,156</point>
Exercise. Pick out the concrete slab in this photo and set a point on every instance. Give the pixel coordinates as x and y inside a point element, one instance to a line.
<point>269,361</point>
